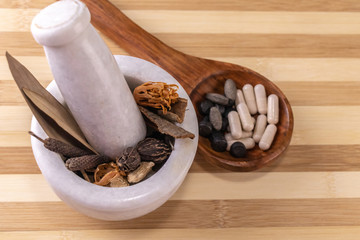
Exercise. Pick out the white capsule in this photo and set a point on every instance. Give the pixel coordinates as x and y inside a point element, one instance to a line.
<point>268,137</point>
<point>253,120</point>
<point>245,117</point>
<point>260,96</point>
<point>235,125</point>
<point>273,109</point>
<point>239,97</point>
<point>249,96</point>
<point>244,134</point>
<point>248,142</point>
<point>260,126</point>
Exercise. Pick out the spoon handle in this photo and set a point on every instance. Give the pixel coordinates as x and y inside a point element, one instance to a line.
<point>106,17</point>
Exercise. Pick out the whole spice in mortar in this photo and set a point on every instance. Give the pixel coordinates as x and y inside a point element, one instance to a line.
<point>156,94</point>
<point>140,173</point>
<point>62,148</point>
<point>85,162</point>
<point>151,149</point>
<point>129,160</point>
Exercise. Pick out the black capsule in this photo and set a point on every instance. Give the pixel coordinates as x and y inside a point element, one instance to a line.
<point>218,141</point>
<point>225,124</point>
<point>238,150</point>
<point>205,106</point>
<point>227,110</point>
<point>231,103</point>
<point>205,128</point>
<point>221,108</point>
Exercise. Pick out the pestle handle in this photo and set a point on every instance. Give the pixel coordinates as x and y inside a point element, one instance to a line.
<point>106,17</point>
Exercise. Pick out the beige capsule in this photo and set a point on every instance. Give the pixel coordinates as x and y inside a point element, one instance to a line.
<point>239,97</point>
<point>260,96</point>
<point>235,125</point>
<point>260,126</point>
<point>248,142</point>
<point>244,134</point>
<point>245,117</point>
<point>273,109</point>
<point>253,120</point>
<point>268,137</point>
<point>249,96</point>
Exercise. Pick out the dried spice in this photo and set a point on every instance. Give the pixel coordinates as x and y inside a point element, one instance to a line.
<point>140,173</point>
<point>164,126</point>
<point>85,162</point>
<point>104,173</point>
<point>62,148</point>
<point>151,149</point>
<point>119,181</point>
<point>177,111</point>
<point>129,161</point>
<point>157,95</point>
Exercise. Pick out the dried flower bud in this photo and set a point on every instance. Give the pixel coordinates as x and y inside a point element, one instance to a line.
<point>85,162</point>
<point>129,160</point>
<point>152,149</point>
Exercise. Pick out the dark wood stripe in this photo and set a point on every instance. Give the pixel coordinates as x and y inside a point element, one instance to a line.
<point>320,93</point>
<point>222,45</point>
<point>301,158</point>
<point>232,5</point>
<point>306,158</point>
<point>190,214</point>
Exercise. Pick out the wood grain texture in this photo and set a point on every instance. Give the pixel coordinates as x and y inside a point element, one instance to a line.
<point>310,49</point>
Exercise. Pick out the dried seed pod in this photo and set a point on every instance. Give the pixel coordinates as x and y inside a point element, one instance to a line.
<point>129,161</point>
<point>119,181</point>
<point>85,162</point>
<point>152,149</point>
<point>62,148</point>
<point>140,173</point>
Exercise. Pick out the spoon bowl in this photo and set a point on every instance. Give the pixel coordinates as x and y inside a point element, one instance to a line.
<point>197,76</point>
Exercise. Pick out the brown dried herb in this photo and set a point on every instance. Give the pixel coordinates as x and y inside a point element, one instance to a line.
<point>140,173</point>
<point>119,181</point>
<point>54,118</point>
<point>64,149</point>
<point>164,126</point>
<point>129,160</point>
<point>151,149</point>
<point>85,162</point>
<point>177,111</point>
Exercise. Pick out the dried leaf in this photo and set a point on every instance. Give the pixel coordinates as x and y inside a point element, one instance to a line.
<point>72,134</point>
<point>164,126</point>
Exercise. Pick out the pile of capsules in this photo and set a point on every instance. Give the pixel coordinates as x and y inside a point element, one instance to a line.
<point>239,119</point>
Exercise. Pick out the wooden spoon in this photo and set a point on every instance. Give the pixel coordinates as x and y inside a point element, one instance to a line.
<point>198,76</point>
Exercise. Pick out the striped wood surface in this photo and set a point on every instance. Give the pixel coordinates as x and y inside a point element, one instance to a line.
<point>311,49</point>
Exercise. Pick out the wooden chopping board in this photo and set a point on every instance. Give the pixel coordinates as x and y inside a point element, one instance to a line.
<point>310,49</point>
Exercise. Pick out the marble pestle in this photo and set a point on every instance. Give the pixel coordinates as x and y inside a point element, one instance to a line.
<point>88,77</point>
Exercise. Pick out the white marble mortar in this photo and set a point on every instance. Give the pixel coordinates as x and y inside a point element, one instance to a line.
<point>128,202</point>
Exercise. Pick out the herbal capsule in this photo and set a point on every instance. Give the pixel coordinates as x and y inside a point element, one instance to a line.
<point>268,137</point>
<point>205,128</point>
<point>248,142</point>
<point>239,97</point>
<point>230,89</point>
<point>215,118</point>
<point>205,106</point>
<point>218,141</point>
<point>244,134</point>
<point>238,150</point>
<point>260,96</point>
<point>259,127</point>
<point>253,120</point>
<point>245,117</point>
<point>249,96</point>
<point>273,109</point>
<point>235,125</point>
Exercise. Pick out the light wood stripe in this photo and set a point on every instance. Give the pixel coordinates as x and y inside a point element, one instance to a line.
<point>279,233</point>
<point>276,69</point>
<point>313,125</point>
<point>301,158</point>
<point>272,185</point>
<point>222,45</point>
<point>175,21</point>
<point>320,94</point>
<point>241,5</point>
<point>51,216</point>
